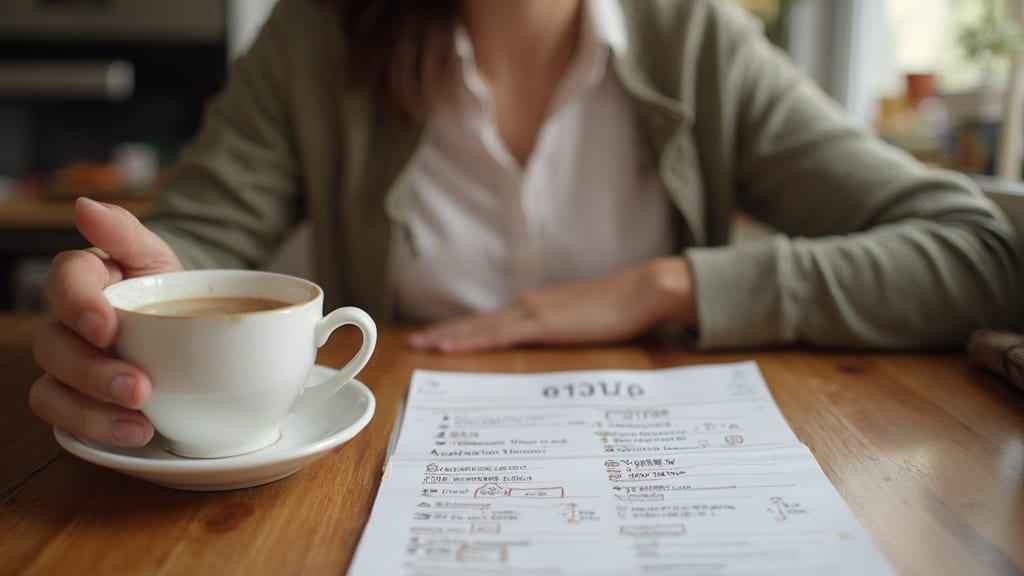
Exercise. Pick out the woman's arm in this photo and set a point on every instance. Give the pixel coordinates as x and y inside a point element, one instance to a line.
<point>614,308</point>
<point>234,191</point>
<point>879,250</point>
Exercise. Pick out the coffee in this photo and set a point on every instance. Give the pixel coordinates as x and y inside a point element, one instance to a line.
<point>210,307</point>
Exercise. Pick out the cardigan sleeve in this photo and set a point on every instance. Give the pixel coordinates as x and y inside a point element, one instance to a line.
<point>234,190</point>
<point>878,250</point>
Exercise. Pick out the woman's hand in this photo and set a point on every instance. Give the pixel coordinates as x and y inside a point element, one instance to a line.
<point>609,309</point>
<point>84,390</point>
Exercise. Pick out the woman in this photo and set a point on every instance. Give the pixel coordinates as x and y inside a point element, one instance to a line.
<point>541,172</point>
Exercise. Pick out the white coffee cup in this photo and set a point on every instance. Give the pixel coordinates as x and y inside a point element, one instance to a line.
<point>222,382</point>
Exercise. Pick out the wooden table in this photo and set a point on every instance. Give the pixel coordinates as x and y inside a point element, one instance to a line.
<point>926,449</point>
<point>58,213</point>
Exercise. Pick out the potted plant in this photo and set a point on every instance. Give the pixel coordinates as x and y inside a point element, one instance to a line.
<point>989,42</point>
<point>992,39</point>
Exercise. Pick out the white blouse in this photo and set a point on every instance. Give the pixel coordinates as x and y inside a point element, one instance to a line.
<point>486,229</point>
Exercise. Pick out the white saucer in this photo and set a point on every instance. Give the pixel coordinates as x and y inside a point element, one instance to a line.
<point>305,436</point>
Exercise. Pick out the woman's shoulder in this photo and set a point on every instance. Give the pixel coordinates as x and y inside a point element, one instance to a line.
<point>673,44</point>
<point>302,37</point>
<point>303,22</point>
<point>304,10</point>
<point>669,21</point>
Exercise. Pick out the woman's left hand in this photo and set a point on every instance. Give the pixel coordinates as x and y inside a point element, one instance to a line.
<point>614,308</point>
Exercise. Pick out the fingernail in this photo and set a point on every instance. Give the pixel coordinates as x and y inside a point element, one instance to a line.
<point>122,390</point>
<point>416,339</point>
<point>91,202</point>
<point>90,324</point>
<point>128,432</point>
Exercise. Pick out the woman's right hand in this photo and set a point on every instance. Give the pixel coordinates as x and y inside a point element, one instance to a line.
<point>84,390</point>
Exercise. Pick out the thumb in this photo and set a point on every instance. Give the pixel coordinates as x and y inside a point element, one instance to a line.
<point>117,232</point>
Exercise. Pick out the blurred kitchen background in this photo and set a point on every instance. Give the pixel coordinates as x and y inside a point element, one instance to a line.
<point>97,96</point>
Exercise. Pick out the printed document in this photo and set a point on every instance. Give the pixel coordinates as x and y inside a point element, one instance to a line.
<point>689,470</point>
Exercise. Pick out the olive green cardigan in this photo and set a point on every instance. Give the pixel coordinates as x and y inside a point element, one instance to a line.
<point>879,251</point>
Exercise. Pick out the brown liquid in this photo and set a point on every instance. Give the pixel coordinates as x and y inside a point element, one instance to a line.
<point>207,307</point>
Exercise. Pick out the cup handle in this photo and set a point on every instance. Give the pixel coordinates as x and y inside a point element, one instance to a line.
<point>324,327</point>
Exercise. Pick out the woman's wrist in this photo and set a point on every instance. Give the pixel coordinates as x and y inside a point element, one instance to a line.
<point>670,291</point>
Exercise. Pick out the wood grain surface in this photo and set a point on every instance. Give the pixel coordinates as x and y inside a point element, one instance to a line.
<point>58,213</point>
<point>926,449</point>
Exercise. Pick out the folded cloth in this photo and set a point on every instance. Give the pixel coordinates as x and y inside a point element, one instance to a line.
<point>1001,352</point>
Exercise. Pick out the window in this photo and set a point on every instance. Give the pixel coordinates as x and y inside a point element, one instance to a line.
<point>939,100</point>
<point>924,36</point>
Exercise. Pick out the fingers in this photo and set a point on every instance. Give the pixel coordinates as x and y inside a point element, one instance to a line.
<point>505,328</point>
<point>124,247</point>
<point>117,232</point>
<point>611,308</point>
<point>85,391</point>
<point>74,288</point>
<point>74,362</point>
<point>87,417</point>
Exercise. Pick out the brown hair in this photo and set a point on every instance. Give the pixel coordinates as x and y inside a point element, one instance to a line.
<point>402,49</point>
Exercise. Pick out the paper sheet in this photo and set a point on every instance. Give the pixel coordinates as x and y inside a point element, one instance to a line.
<point>677,471</point>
